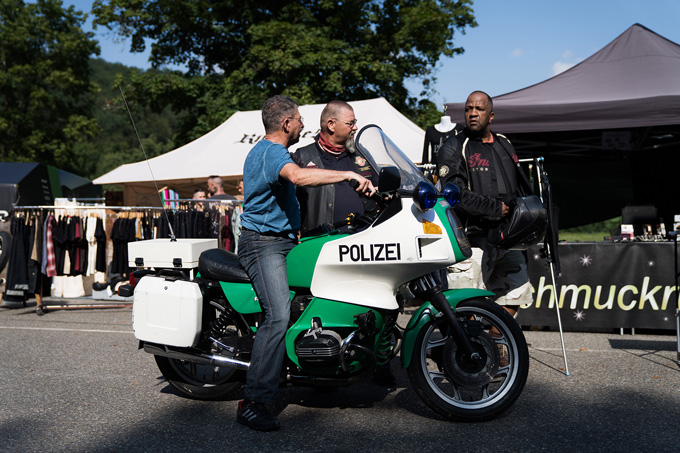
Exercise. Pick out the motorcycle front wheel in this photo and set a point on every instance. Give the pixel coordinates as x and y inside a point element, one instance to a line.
<point>463,390</point>
<point>208,382</point>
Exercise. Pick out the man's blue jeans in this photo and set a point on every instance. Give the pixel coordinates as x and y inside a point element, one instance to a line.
<point>264,259</point>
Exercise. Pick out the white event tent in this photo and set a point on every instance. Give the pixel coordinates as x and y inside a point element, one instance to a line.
<point>223,150</point>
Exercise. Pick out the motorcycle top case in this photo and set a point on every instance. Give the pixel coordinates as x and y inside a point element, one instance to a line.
<point>167,312</point>
<point>163,253</point>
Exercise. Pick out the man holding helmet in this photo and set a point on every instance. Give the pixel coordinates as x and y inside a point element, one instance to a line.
<point>485,167</point>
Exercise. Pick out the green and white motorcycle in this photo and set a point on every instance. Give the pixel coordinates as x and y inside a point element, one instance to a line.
<point>466,358</point>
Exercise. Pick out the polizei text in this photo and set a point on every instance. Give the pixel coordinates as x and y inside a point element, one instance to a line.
<point>370,252</point>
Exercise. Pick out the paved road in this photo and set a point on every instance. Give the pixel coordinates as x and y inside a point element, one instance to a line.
<point>73,380</point>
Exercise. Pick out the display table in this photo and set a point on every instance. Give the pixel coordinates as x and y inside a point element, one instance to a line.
<point>605,286</point>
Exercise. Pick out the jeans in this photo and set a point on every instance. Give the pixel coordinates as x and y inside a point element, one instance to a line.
<point>264,259</point>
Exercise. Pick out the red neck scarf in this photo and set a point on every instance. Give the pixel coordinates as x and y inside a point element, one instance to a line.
<point>330,149</point>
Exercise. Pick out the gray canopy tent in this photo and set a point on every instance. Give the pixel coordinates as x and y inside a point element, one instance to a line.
<point>609,128</point>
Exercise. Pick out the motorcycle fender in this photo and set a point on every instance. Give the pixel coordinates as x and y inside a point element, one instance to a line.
<point>426,312</point>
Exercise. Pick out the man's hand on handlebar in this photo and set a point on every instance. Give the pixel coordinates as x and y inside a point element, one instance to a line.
<point>362,185</point>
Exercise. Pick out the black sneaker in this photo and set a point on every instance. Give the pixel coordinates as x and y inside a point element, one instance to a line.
<point>256,416</point>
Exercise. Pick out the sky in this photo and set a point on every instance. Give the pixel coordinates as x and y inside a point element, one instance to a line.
<point>517,43</point>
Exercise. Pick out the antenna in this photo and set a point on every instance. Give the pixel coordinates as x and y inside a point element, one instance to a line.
<point>165,213</point>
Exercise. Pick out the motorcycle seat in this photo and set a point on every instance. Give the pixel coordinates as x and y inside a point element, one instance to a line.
<point>221,265</point>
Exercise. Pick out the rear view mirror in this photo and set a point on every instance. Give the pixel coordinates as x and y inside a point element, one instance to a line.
<point>389,179</point>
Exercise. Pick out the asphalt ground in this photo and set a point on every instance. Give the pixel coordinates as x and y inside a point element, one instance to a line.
<point>74,380</point>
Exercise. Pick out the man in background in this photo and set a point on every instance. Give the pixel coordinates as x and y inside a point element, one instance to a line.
<point>216,189</point>
<point>484,165</point>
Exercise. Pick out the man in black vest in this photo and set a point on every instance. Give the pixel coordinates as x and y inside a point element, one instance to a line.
<point>324,206</point>
<point>485,167</point>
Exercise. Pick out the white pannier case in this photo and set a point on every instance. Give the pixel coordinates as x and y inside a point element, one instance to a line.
<point>167,312</point>
<point>168,309</point>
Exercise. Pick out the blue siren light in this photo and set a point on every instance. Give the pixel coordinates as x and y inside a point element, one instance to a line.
<point>425,196</point>
<point>452,194</point>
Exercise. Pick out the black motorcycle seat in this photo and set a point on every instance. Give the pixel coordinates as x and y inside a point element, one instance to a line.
<point>221,265</point>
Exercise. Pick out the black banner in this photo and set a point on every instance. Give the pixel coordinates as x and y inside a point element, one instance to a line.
<point>605,286</point>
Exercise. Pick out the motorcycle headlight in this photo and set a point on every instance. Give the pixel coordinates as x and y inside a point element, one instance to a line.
<point>452,194</point>
<point>424,196</point>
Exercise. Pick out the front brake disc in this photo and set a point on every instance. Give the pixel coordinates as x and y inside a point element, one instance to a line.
<point>466,372</point>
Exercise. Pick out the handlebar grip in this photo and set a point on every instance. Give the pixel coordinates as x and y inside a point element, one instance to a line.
<point>354,184</point>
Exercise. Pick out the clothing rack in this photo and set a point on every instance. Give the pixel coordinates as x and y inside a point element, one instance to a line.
<point>131,208</point>
<point>81,209</point>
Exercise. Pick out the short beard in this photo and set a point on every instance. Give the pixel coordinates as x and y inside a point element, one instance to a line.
<point>350,145</point>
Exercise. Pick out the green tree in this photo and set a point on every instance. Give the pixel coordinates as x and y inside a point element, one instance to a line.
<point>45,90</point>
<point>117,143</point>
<point>313,51</point>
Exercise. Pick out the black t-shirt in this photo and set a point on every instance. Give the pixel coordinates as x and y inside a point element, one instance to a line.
<point>434,140</point>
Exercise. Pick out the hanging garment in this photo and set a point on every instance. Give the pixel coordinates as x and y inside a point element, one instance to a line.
<point>90,230</point>
<point>50,265</point>
<point>16,285</point>
<point>100,236</point>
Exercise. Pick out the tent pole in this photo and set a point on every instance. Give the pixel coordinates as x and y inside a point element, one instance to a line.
<point>559,319</point>
<point>677,296</point>
<point>539,172</point>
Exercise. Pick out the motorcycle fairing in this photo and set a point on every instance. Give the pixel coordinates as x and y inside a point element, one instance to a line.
<point>352,268</point>
<point>301,261</point>
<point>426,312</point>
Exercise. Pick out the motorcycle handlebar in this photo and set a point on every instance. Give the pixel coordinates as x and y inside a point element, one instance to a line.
<point>354,184</point>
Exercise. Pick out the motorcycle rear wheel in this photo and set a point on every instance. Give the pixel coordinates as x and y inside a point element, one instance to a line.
<point>206,382</point>
<point>469,392</point>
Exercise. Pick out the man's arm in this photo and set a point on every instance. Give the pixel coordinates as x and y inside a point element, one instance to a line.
<point>319,177</point>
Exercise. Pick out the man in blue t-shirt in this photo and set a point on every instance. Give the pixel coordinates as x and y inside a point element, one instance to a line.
<point>270,226</point>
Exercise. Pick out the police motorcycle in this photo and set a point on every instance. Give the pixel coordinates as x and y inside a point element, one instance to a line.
<point>465,357</point>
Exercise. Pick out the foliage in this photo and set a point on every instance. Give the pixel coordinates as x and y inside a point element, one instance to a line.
<point>313,51</point>
<point>117,142</point>
<point>592,232</point>
<point>45,90</point>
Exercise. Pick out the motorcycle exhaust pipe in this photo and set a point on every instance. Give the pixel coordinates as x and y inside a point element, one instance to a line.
<point>201,359</point>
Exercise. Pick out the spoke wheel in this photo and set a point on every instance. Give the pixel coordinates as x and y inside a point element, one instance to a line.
<point>464,390</point>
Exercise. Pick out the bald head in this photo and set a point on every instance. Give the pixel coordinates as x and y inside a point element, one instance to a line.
<point>334,110</point>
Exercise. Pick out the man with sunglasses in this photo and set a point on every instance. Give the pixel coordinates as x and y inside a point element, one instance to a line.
<point>323,207</point>
<point>270,224</point>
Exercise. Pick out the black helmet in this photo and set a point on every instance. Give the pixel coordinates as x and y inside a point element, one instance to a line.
<point>523,227</point>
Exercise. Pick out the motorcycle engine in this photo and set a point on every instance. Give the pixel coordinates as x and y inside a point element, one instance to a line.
<point>318,347</point>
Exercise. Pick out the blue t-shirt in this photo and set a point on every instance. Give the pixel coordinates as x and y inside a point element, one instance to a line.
<point>270,204</point>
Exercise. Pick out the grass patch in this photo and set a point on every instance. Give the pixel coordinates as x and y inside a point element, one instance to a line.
<point>593,232</point>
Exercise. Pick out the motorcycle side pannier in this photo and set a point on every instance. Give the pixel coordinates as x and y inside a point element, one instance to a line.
<point>167,312</point>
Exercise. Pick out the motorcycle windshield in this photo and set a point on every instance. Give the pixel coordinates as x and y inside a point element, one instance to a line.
<point>381,152</point>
